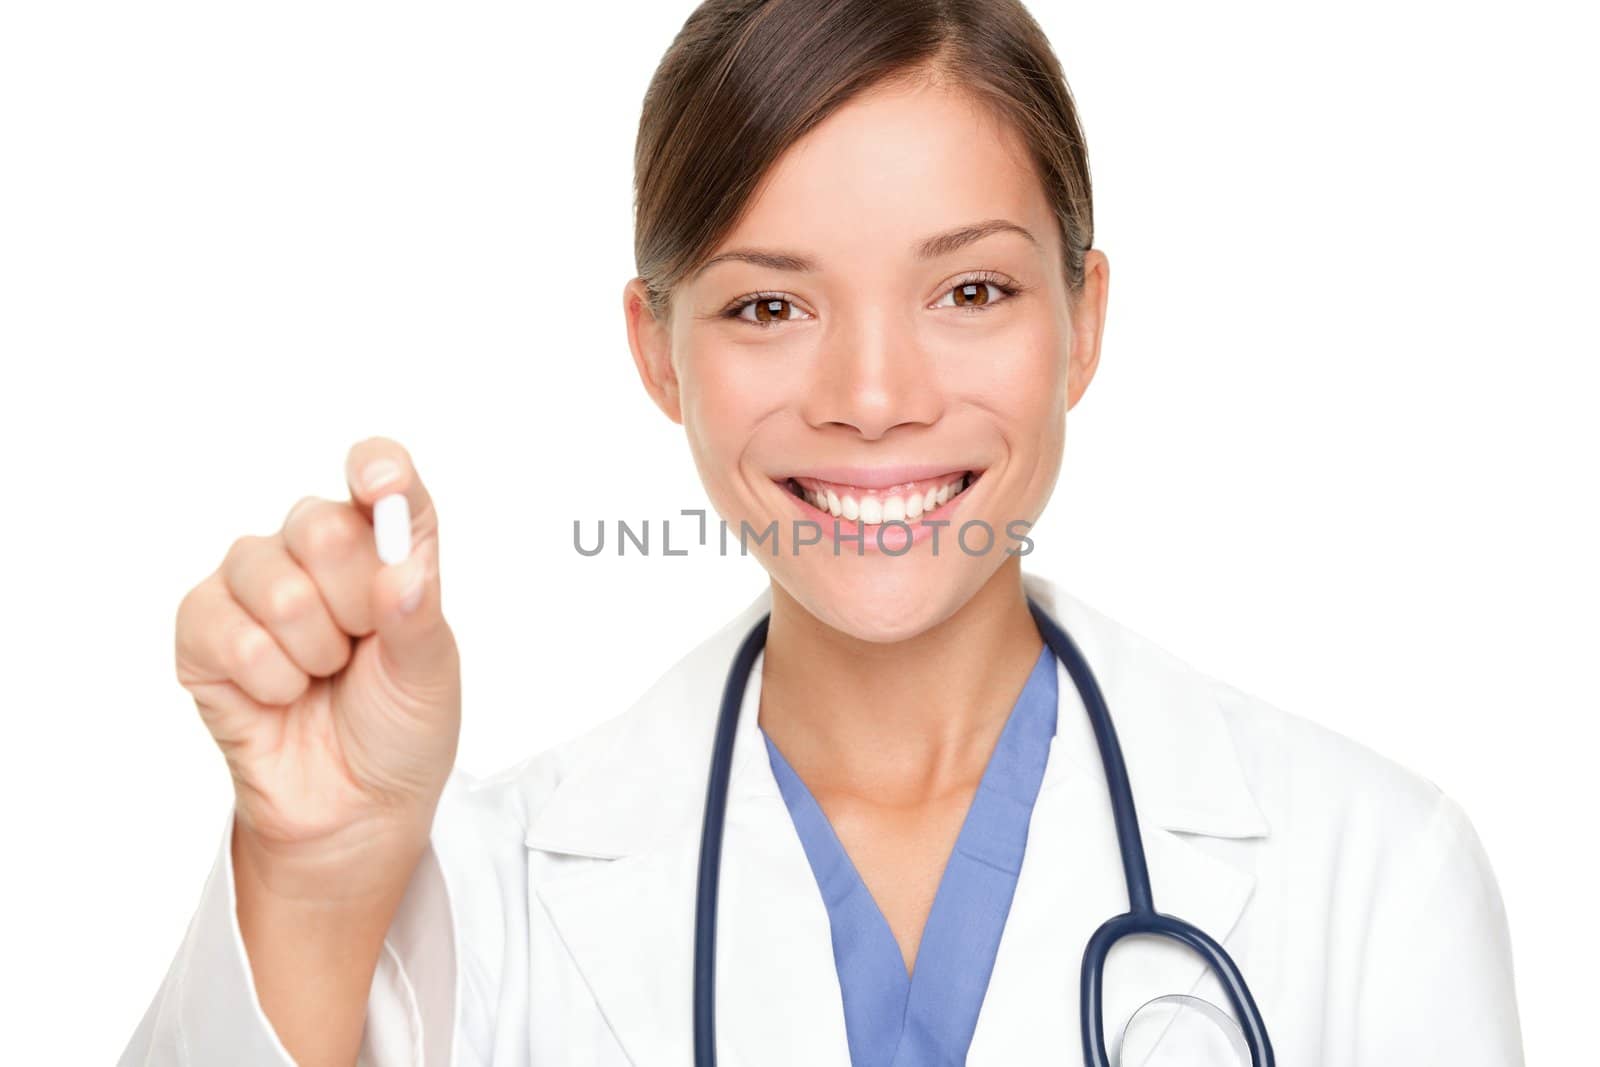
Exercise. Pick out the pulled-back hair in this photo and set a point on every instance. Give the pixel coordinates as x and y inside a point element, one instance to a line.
<point>744,79</point>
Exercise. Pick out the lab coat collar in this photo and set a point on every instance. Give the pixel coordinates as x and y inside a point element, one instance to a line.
<point>649,769</point>
<point>633,800</point>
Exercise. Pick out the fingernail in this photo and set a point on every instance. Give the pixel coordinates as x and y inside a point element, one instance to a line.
<point>413,592</point>
<point>379,473</point>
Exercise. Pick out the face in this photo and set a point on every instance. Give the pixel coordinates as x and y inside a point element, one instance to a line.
<point>888,344</point>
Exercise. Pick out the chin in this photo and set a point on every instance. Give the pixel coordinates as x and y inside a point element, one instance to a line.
<point>885,600</point>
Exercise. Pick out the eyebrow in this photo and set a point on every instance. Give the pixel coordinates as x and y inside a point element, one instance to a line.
<point>930,248</point>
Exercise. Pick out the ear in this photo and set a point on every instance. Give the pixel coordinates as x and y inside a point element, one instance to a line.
<point>1088,323</point>
<point>651,341</point>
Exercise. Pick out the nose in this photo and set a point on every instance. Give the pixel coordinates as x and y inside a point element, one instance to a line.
<point>872,376</point>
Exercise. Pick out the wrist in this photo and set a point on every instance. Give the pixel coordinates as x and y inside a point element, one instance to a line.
<point>358,867</point>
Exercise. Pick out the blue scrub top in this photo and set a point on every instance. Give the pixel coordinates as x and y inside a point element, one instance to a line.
<point>893,1019</point>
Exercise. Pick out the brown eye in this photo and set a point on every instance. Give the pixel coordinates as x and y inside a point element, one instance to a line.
<point>978,294</point>
<point>766,309</point>
<point>772,310</point>
<point>969,294</point>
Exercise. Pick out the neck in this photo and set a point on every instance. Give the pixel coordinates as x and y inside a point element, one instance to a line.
<point>901,721</point>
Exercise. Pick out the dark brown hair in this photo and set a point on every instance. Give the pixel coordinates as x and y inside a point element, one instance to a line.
<point>745,79</point>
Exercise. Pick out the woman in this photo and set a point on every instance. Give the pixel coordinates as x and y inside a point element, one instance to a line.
<point>868,293</point>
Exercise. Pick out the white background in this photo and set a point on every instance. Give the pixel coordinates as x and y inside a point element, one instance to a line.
<point>1340,451</point>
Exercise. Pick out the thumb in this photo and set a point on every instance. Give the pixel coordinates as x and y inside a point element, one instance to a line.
<point>416,647</point>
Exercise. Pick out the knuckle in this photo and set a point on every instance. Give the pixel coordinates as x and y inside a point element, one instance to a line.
<point>194,619</point>
<point>329,532</point>
<point>290,598</point>
<point>184,630</point>
<point>248,648</point>
<point>240,547</point>
<point>302,508</point>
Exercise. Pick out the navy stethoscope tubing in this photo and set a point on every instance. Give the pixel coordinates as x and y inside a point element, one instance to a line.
<point>1140,918</point>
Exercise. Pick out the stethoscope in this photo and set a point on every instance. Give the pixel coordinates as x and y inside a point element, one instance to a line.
<point>1140,918</point>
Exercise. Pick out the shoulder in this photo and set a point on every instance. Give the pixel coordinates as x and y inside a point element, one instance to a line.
<point>1375,870</point>
<point>1348,839</point>
<point>1302,769</point>
<point>1229,750</point>
<point>1316,789</point>
<point>1346,814</point>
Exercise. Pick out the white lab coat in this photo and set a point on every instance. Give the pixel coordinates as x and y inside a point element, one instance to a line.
<point>551,920</point>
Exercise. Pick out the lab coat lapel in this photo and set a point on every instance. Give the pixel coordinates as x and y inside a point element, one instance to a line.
<point>1186,782</point>
<point>1071,882</point>
<point>629,921</point>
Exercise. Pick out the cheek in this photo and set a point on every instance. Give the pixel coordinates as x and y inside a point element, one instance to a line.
<point>724,398</point>
<point>1023,382</point>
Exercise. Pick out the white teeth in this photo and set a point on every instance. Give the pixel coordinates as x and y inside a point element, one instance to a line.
<point>871,510</point>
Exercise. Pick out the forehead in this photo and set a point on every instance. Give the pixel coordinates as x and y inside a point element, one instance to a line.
<point>893,165</point>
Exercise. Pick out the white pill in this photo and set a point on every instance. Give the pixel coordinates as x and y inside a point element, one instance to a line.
<point>391,526</point>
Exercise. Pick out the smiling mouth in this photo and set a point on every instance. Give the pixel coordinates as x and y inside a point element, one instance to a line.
<point>908,501</point>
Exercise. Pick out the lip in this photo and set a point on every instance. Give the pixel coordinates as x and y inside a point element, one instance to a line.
<point>893,533</point>
<point>882,477</point>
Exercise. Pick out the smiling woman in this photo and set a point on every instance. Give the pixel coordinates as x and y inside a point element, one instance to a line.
<point>907,286</point>
<point>887,814</point>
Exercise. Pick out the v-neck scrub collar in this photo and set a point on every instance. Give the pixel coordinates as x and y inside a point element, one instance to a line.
<point>894,1019</point>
